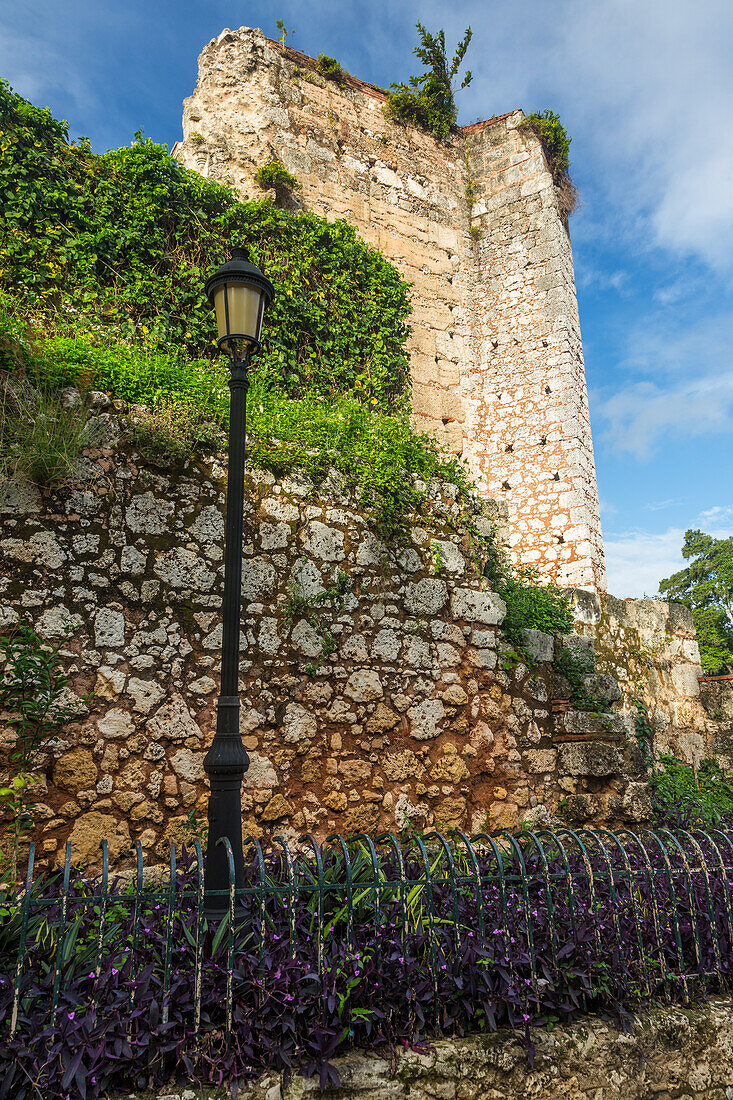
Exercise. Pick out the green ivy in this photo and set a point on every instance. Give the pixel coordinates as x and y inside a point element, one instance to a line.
<point>329,68</point>
<point>125,240</point>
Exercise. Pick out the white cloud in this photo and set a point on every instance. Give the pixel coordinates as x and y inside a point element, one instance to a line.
<point>642,415</point>
<point>660,505</point>
<point>714,518</point>
<point>636,561</point>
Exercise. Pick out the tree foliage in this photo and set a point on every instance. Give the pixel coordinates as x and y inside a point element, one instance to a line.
<point>706,587</point>
<point>127,239</point>
<point>428,100</point>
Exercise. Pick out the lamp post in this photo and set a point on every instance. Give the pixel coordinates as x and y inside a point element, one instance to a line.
<point>239,293</point>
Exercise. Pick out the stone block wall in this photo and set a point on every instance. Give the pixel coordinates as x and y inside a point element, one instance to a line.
<point>496,359</point>
<point>409,719</point>
<point>649,647</point>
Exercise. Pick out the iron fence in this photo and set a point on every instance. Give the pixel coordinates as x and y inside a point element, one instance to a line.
<point>369,938</point>
<point>659,901</point>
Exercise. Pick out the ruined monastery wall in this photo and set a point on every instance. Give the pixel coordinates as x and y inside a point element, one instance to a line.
<point>397,705</point>
<point>496,359</point>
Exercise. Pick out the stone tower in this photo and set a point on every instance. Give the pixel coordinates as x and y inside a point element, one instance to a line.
<point>475,226</point>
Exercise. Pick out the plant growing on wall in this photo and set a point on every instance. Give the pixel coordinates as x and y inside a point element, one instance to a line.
<point>329,68</point>
<point>706,587</point>
<point>31,691</point>
<point>553,137</point>
<point>275,176</point>
<point>429,99</point>
<point>119,246</point>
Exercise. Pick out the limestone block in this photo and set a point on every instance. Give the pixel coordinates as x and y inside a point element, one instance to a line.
<point>591,758</point>
<point>173,722</point>
<point>298,724</point>
<point>424,719</point>
<point>540,760</point>
<point>181,568</point>
<point>146,693</point>
<point>116,723</point>
<point>188,765</point>
<point>363,686</point>
<point>321,541</point>
<point>426,597</point>
<point>88,832</point>
<point>539,646</point>
<point>75,771</point>
<point>478,606</point>
<point>147,514</point>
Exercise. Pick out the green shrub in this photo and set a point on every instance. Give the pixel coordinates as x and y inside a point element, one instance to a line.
<point>124,241</point>
<point>553,137</point>
<point>329,68</point>
<point>428,100</point>
<point>275,174</point>
<point>530,604</point>
<point>682,796</point>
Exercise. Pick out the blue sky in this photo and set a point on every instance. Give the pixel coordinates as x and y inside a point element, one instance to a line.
<point>645,89</point>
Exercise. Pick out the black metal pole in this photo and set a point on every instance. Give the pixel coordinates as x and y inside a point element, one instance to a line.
<point>226,761</point>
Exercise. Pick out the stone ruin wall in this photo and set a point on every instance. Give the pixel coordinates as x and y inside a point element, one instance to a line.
<point>650,649</point>
<point>416,717</point>
<point>496,357</point>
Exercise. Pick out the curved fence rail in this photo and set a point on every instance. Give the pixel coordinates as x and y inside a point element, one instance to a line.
<point>386,936</point>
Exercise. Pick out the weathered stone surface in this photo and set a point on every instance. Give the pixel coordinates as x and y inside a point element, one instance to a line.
<point>363,686</point>
<point>426,597</point>
<point>591,758</point>
<point>173,722</point>
<point>299,724</point>
<point>188,765</point>
<point>109,629</point>
<point>425,718</point>
<point>277,808</point>
<point>116,723</point>
<point>477,607</point>
<point>75,771</point>
<point>88,832</point>
<point>539,646</point>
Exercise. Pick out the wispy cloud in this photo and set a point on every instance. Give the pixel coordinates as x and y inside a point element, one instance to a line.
<point>643,414</point>
<point>660,505</point>
<point>637,560</point>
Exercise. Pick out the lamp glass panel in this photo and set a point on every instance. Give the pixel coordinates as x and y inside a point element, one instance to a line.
<point>244,310</point>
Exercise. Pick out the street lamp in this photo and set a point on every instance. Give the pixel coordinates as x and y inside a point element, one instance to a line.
<point>239,293</point>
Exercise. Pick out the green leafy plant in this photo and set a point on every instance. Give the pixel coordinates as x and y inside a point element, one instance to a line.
<point>553,137</point>
<point>317,609</point>
<point>705,586</point>
<point>574,666</point>
<point>329,68</point>
<point>40,439</point>
<point>429,100</point>
<point>196,137</point>
<point>275,175</point>
<point>31,691</point>
<point>643,728</point>
<point>694,798</point>
<point>284,32</point>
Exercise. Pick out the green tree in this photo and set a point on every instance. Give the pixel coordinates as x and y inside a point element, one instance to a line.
<point>428,100</point>
<point>706,587</point>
